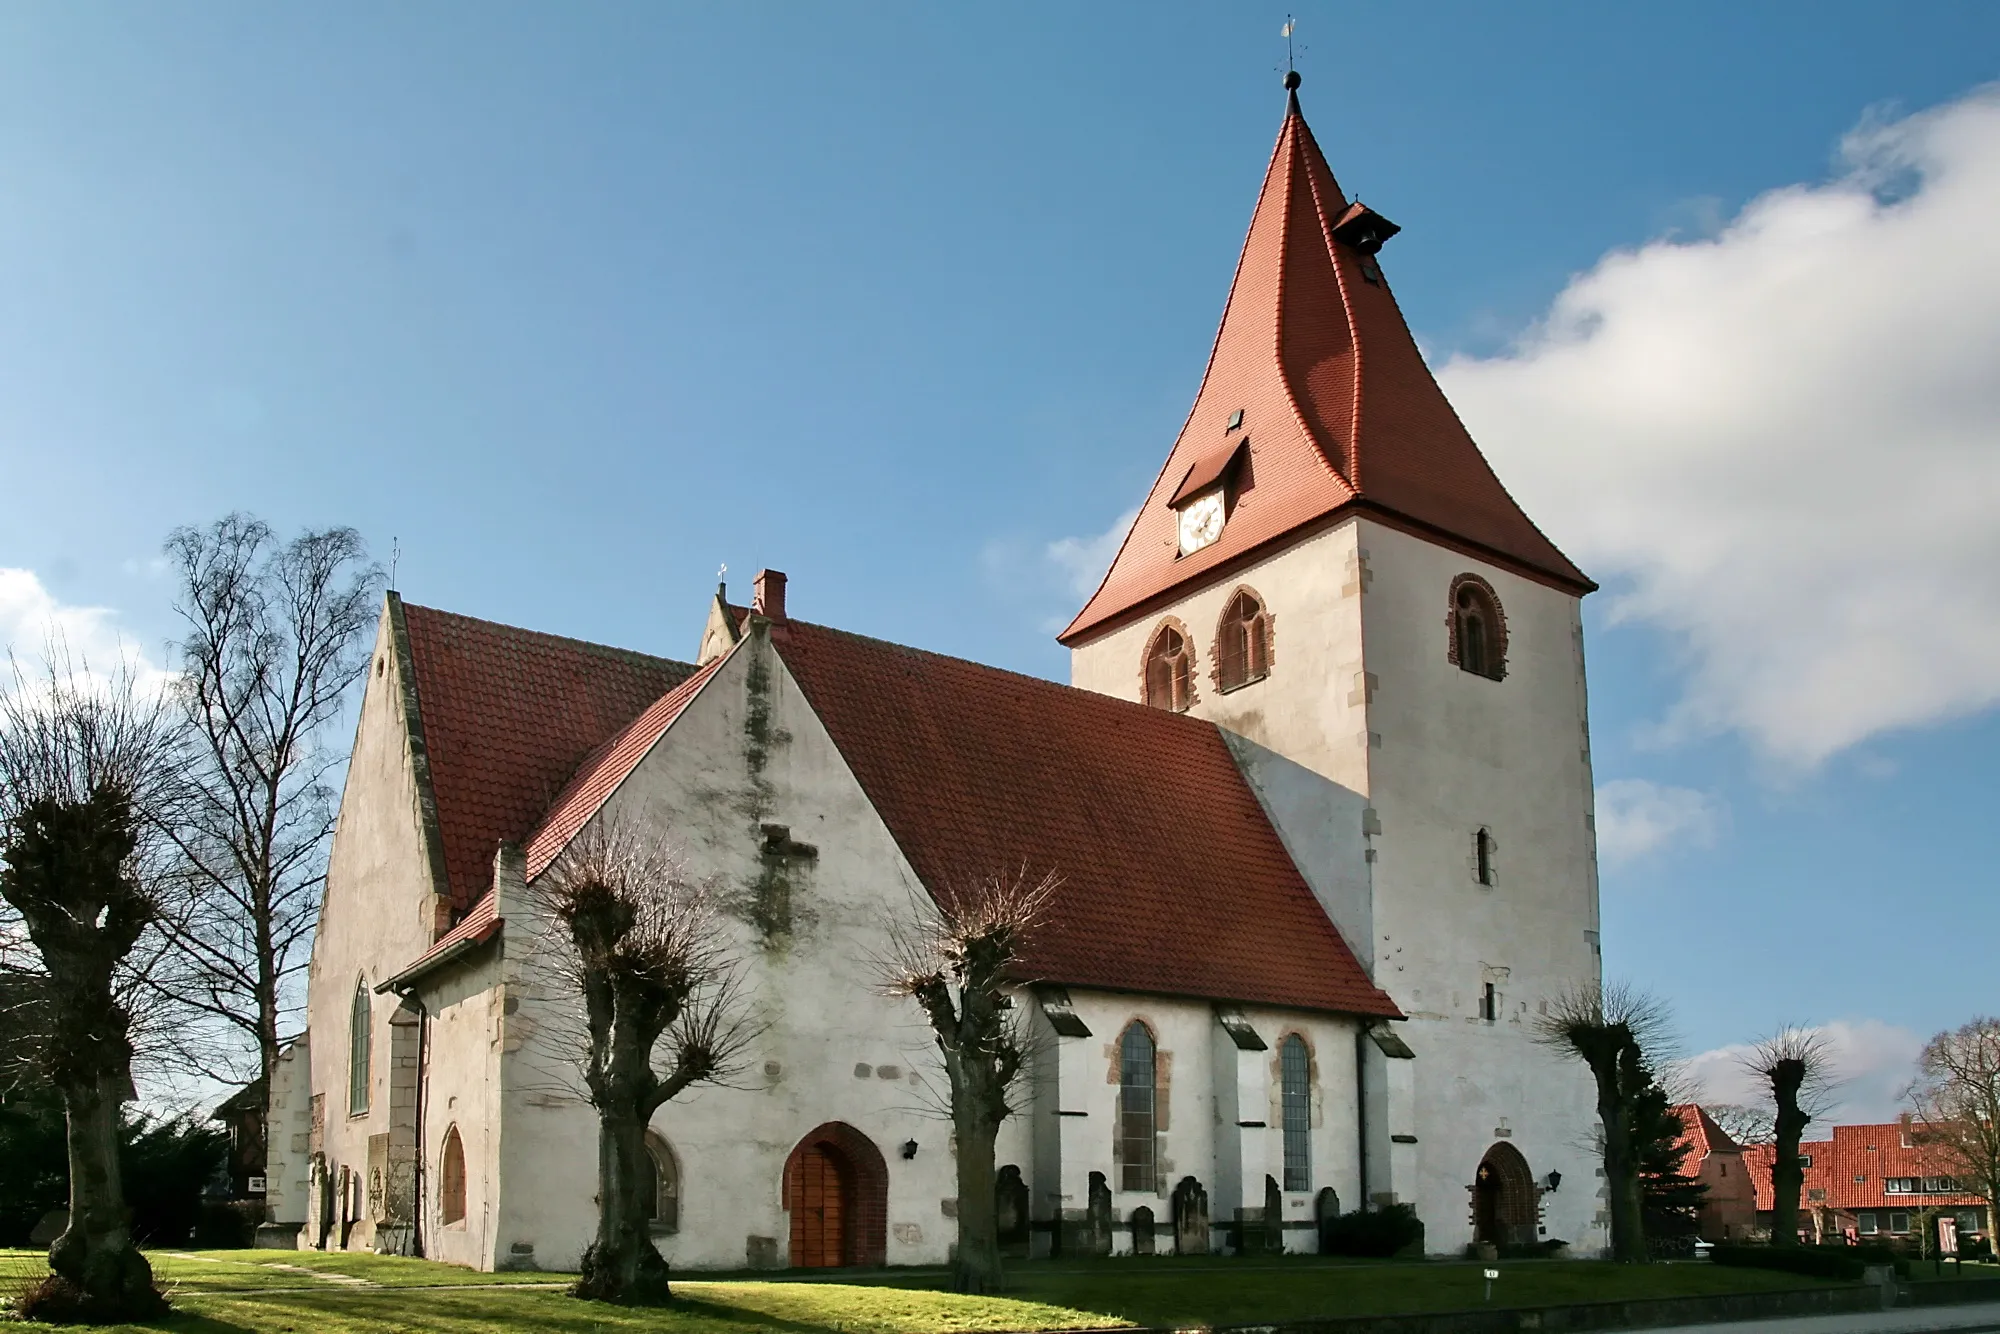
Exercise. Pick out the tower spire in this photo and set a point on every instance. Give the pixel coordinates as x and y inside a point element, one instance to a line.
<point>1316,403</point>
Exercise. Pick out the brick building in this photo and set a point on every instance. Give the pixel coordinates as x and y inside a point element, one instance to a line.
<point>1729,1210</point>
<point>1870,1182</point>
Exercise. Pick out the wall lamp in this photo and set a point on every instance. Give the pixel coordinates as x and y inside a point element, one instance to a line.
<point>1555,1180</point>
<point>909,1148</point>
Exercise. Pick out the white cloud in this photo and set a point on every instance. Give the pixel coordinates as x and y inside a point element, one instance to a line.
<point>1083,560</point>
<point>1873,1062</point>
<point>1636,817</point>
<point>1782,442</point>
<point>33,621</point>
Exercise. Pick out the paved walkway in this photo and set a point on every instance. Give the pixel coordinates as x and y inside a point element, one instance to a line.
<point>1906,1320</point>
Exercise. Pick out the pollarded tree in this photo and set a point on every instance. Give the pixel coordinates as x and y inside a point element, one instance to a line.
<point>1620,1034</point>
<point>1794,1067</point>
<point>86,768</point>
<point>1957,1099</point>
<point>643,946</point>
<point>956,958</point>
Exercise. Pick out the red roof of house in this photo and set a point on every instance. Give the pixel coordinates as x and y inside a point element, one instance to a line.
<point>1338,405</point>
<point>508,715</point>
<point>1703,1136</point>
<point>1852,1166</point>
<point>1174,881</point>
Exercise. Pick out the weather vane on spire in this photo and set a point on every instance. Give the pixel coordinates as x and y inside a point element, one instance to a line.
<point>395,559</point>
<point>1291,67</point>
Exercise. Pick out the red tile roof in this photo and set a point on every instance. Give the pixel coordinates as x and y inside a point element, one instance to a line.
<point>1703,1136</point>
<point>1337,402</point>
<point>508,715</point>
<point>1174,881</point>
<point>606,768</point>
<point>1871,1152</point>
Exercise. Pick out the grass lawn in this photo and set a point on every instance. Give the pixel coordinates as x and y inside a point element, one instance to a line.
<point>230,1292</point>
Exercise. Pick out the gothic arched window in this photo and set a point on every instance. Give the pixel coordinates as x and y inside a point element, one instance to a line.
<point>1138,1112</point>
<point>359,1016</point>
<point>451,1179</point>
<point>1478,628</point>
<point>663,1190</point>
<point>1243,641</point>
<point>1169,669</point>
<point>1295,1099</point>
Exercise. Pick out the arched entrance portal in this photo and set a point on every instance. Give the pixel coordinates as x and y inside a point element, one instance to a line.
<point>1504,1199</point>
<point>837,1190</point>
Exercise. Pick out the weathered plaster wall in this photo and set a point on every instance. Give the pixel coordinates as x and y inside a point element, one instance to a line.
<point>377,916</point>
<point>288,1143</point>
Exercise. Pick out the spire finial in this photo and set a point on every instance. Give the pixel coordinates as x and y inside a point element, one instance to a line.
<point>1291,65</point>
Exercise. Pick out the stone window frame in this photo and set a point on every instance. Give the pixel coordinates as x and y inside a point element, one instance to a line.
<point>1119,1136</point>
<point>1485,872</point>
<point>1478,589</point>
<point>1174,625</point>
<point>360,1049</point>
<point>1285,1129</point>
<point>1258,656</point>
<point>665,1218</point>
<point>452,1186</point>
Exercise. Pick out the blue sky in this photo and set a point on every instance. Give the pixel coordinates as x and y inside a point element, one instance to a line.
<point>577,303</point>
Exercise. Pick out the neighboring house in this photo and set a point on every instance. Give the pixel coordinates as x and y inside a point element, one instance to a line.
<point>242,1116</point>
<point>1320,797</point>
<point>1871,1181</point>
<point>1729,1209</point>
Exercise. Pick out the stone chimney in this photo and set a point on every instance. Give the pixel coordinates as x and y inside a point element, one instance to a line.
<point>770,596</point>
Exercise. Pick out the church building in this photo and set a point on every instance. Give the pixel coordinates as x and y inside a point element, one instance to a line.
<point>1319,795</point>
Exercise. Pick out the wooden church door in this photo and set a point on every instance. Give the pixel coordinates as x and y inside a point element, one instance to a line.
<point>821,1207</point>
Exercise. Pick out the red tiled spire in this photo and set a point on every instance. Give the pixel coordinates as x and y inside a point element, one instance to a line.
<point>1340,409</point>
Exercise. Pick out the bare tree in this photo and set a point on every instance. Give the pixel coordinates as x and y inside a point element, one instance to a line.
<point>275,636</point>
<point>85,768</point>
<point>1957,1101</point>
<point>1795,1067</point>
<point>955,956</point>
<point>1745,1125</point>
<point>1622,1035</point>
<point>643,947</point>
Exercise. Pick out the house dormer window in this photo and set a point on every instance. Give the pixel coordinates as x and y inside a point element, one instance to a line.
<point>1243,641</point>
<point>1478,628</point>
<point>1169,676</point>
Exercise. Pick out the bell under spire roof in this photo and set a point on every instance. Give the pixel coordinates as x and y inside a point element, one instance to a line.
<point>1316,404</point>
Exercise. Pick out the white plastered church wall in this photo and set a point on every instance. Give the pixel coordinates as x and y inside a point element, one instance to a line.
<point>1360,692</point>
<point>716,782</point>
<point>378,914</point>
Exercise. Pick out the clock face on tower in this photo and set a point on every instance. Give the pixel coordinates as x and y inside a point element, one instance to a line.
<point>1201,521</point>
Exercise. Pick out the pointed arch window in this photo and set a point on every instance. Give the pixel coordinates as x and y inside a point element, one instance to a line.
<point>1295,1098</point>
<point>359,1018</point>
<point>1478,628</point>
<point>1243,641</point>
<point>1138,1109</point>
<point>663,1190</point>
<point>451,1179</point>
<point>1169,677</point>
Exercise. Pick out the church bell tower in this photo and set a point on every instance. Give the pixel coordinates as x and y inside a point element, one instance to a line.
<point>1328,567</point>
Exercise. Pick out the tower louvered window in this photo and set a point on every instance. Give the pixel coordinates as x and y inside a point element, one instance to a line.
<point>1243,641</point>
<point>1169,671</point>
<point>1295,1093</point>
<point>1138,1118</point>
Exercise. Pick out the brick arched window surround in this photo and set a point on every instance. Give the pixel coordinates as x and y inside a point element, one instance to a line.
<point>1168,672</point>
<point>1138,1108</point>
<point>1242,640</point>
<point>451,1179</point>
<point>1478,628</point>
<point>1295,1109</point>
<point>663,1194</point>
<point>863,1179</point>
<point>1506,1203</point>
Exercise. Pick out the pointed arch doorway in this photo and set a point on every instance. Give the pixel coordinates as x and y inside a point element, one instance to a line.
<point>1505,1202</point>
<point>837,1191</point>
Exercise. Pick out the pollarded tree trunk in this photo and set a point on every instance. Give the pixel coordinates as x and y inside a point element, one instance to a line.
<point>622,1264</point>
<point>1614,1062</point>
<point>1788,1174</point>
<point>976,1264</point>
<point>95,1254</point>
